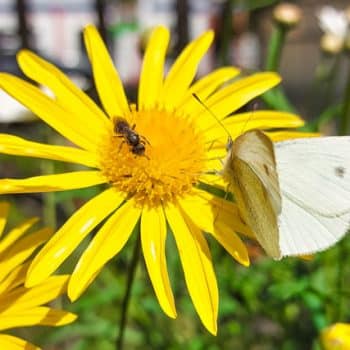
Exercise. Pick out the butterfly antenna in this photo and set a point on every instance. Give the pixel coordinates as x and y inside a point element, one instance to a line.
<point>212,114</point>
<point>254,108</point>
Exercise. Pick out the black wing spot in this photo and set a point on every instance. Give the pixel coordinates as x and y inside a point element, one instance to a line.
<point>340,171</point>
<point>266,169</point>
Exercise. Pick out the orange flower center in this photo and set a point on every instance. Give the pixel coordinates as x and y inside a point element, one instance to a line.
<point>154,156</point>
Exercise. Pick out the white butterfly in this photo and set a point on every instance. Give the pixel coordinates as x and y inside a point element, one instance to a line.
<point>295,195</point>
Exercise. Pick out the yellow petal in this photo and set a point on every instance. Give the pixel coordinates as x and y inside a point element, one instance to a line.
<point>66,92</point>
<point>287,135</point>
<point>198,269</point>
<point>10,342</point>
<point>336,337</point>
<point>214,180</point>
<point>4,209</point>
<point>68,237</point>
<point>23,249</point>
<point>184,70</point>
<point>23,298</point>
<point>49,111</point>
<point>152,73</point>
<point>216,217</point>
<point>228,212</point>
<point>14,278</point>
<point>107,243</point>
<point>240,123</point>
<point>43,316</point>
<point>14,145</point>
<point>153,237</point>
<point>16,233</point>
<point>205,86</point>
<point>237,94</point>
<point>50,183</point>
<point>107,81</point>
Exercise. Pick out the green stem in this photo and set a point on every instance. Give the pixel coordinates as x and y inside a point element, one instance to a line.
<point>274,50</point>
<point>131,276</point>
<point>276,98</point>
<point>345,117</point>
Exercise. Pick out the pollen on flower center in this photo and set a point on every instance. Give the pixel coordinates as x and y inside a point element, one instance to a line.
<point>170,165</point>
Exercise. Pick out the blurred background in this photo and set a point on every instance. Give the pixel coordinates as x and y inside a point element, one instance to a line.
<point>271,305</point>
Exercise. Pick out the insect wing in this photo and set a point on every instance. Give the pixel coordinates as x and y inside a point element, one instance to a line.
<point>255,207</point>
<point>257,151</point>
<point>314,176</point>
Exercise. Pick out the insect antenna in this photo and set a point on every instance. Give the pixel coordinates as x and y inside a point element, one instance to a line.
<point>212,114</point>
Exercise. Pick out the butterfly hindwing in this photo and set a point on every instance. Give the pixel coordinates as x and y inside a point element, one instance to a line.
<point>314,176</point>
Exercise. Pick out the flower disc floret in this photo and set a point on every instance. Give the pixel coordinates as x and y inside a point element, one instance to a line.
<point>172,162</point>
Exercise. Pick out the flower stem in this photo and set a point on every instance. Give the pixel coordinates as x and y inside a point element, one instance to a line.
<point>125,304</point>
<point>274,50</point>
<point>345,117</point>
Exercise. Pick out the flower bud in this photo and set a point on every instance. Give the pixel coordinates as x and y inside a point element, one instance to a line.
<point>288,15</point>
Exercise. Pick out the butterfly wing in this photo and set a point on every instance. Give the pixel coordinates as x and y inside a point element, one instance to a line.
<point>257,150</point>
<point>252,169</point>
<point>314,177</point>
<point>255,207</point>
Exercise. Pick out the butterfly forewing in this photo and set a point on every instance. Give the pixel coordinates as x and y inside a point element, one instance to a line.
<point>255,207</point>
<point>257,151</point>
<point>251,169</point>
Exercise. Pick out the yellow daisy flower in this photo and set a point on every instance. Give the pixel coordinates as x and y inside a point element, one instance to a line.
<point>152,155</point>
<point>336,337</point>
<point>21,306</point>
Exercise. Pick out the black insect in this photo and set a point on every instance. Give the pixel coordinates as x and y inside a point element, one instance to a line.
<point>131,137</point>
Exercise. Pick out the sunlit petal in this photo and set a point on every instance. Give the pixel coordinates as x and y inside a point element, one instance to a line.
<point>198,269</point>
<point>15,145</point>
<point>221,219</point>
<point>49,111</point>
<point>237,94</point>
<point>205,86</point>
<point>153,237</point>
<point>152,74</point>
<point>107,243</point>
<point>242,122</point>
<point>287,135</point>
<point>23,298</point>
<point>184,69</point>
<point>41,315</point>
<point>10,342</point>
<point>14,278</point>
<point>22,250</point>
<point>107,81</point>
<point>61,245</point>
<point>67,94</point>
<point>50,183</point>
<point>16,233</point>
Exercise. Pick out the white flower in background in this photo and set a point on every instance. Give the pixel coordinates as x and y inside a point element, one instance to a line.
<point>333,21</point>
<point>335,25</point>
